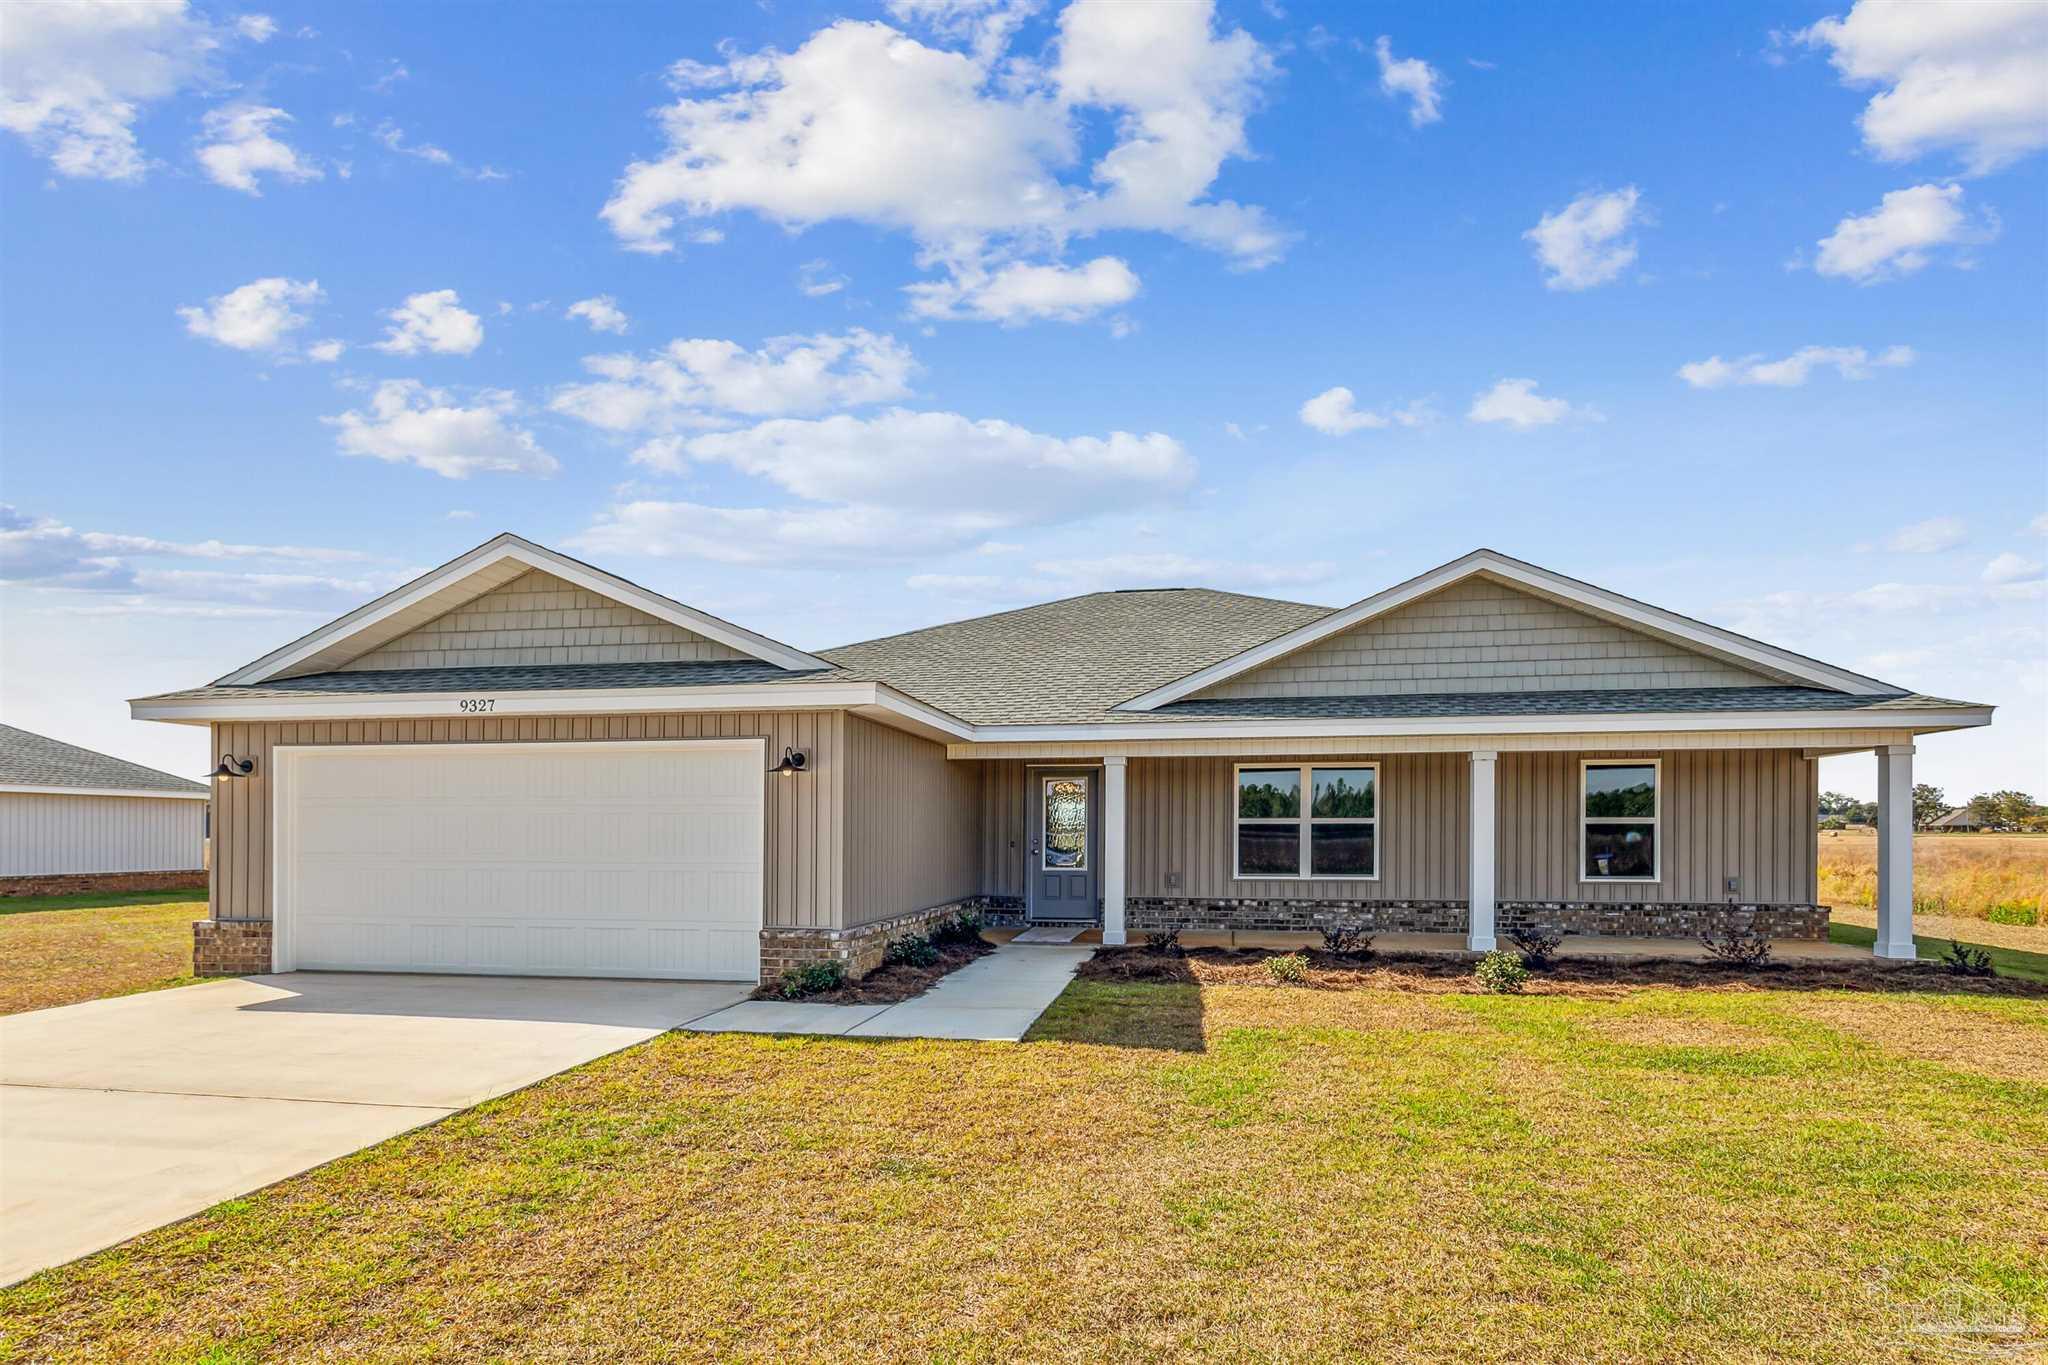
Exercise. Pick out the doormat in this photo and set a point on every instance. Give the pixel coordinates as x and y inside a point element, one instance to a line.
<point>1051,933</point>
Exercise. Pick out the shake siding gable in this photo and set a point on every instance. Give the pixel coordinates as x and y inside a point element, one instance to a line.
<point>1479,635</point>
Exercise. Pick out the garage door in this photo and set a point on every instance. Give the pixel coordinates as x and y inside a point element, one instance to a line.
<point>632,860</point>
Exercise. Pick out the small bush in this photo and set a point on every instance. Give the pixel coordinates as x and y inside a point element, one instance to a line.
<point>1347,938</point>
<point>1501,973</point>
<point>1733,947</point>
<point>1963,960</point>
<point>811,978</point>
<point>1164,940</point>
<point>1537,946</point>
<point>1288,968</point>
<point>2014,912</point>
<point>964,927</point>
<point>911,950</point>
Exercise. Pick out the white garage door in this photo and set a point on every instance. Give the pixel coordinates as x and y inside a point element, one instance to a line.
<point>633,860</point>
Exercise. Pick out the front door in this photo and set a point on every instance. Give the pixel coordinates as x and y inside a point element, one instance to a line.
<point>1062,862</point>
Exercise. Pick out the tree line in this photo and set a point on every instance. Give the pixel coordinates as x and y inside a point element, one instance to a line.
<point>2010,811</point>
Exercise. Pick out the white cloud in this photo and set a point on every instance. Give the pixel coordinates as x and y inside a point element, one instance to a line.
<point>1895,238</point>
<point>76,74</point>
<point>409,423</point>
<point>257,28</point>
<point>1584,243</point>
<point>434,322</point>
<point>686,384</point>
<point>2039,525</point>
<point>602,313</point>
<point>815,279</point>
<point>1516,402</point>
<point>239,147</point>
<point>1019,292</point>
<point>258,316</point>
<point>44,551</point>
<point>2012,568</point>
<point>974,157</point>
<point>326,352</point>
<point>393,137</point>
<point>1079,574</point>
<point>1971,76</point>
<point>1850,362</point>
<point>1411,77</point>
<point>892,487</point>
<point>1335,412</point>
<point>461,514</point>
<point>1928,537</point>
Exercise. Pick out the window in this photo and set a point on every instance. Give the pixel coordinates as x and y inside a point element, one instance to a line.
<point>1308,821</point>
<point>1618,821</point>
<point>1066,824</point>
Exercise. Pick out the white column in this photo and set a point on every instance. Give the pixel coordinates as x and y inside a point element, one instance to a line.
<point>1113,849</point>
<point>1479,893</point>
<point>1895,852</point>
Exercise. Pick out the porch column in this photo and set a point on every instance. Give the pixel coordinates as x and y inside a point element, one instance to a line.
<point>1479,891</point>
<point>1113,849</point>
<point>1895,852</point>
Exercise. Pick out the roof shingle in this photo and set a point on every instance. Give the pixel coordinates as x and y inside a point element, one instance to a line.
<point>31,760</point>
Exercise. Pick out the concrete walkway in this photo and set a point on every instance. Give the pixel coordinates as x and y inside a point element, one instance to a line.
<point>994,999</point>
<point>118,1116</point>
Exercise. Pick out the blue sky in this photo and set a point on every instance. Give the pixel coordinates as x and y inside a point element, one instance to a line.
<point>892,314</point>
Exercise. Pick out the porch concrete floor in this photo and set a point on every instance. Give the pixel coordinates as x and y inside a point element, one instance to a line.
<point>1577,945</point>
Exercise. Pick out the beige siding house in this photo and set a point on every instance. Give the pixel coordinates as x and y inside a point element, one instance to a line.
<point>522,764</point>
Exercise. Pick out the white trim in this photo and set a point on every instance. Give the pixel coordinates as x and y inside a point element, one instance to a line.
<point>1480,892</point>
<point>1307,820</point>
<point>284,767</point>
<point>1895,854</point>
<point>1578,723</point>
<point>1640,614</point>
<point>1115,798</point>
<point>509,546</point>
<point>1655,820</point>
<point>139,793</point>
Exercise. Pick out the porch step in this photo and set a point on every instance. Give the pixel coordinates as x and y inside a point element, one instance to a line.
<point>1051,933</point>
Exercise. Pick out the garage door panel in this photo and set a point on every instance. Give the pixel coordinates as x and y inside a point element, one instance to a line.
<point>559,859</point>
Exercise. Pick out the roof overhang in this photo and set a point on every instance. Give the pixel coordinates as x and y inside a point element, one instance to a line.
<point>467,577</point>
<point>1682,630</point>
<point>19,789</point>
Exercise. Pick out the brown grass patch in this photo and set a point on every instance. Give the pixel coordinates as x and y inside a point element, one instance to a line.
<point>1960,875</point>
<point>60,957</point>
<point>1997,1044</point>
<point>1679,1030</point>
<point>894,983</point>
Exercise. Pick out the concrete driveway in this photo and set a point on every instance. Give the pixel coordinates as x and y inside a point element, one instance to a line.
<point>118,1116</point>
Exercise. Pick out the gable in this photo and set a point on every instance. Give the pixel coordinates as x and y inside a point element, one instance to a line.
<point>1482,635</point>
<point>538,618</point>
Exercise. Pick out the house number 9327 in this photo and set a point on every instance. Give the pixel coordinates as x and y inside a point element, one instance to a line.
<point>478,703</point>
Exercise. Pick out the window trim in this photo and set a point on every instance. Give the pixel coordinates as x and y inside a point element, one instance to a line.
<point>1306,821</point>
<point>1655,820</point>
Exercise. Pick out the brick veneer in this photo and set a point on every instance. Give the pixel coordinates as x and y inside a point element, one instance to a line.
<point>1623,920</point>
<point>859,948</point>
<point>230,947</point>
<point>75,883</point>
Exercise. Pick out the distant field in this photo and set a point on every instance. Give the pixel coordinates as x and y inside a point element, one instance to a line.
<point>1964,876</point>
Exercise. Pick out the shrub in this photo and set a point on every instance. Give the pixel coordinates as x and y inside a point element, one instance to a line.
<point>1164,940</point>
<point>2013,912</point>
<point>810,978</point>
<point>1501,973</point>
<point>1737,947</point>
<point>1963,960</point>
<point>911,950</point>
<point>964,927</point>
<point>1537,946</point>
<point>1288,968</point>
<point>1347,938</point>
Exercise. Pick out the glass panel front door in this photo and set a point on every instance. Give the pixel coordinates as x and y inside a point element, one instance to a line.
<point>1062,875</point>
<point>1066,824</point>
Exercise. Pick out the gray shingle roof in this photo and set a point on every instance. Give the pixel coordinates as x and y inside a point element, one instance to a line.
<point>503,678</point>
<point>1463,705</point>
<point>32,760</point>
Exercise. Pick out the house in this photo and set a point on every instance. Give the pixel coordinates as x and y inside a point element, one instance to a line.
<point>75,820</point>
<point>1957,821</point>
<point>519,763</point>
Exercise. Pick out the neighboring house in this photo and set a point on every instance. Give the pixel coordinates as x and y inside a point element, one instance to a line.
<point>1957,821</point>
<point>521,764</point>
<point>71,818</point>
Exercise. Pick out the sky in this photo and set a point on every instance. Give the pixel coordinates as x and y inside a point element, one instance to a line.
<point>839,320</point>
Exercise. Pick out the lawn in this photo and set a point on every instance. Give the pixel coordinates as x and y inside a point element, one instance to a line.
<point>57,950</point>
<point>1994,939</point>
<point>1962,876</point>
<point>1166,1172</point>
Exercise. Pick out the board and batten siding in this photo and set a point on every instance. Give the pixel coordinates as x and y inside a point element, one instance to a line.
<point>1182,820</point>
<point>54,834</point>
<point>802,886</point>
<point>1003,826</point>
<point>913,823</point>
<point>1750,814</point>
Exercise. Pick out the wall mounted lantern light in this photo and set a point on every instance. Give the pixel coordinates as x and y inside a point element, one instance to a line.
<point>793,762</point>
<point>230,766</point>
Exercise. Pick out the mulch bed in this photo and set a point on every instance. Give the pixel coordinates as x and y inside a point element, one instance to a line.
<point>1583,976</point>
<point>893,984</point>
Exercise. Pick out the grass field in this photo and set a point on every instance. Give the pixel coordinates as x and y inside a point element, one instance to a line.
<point>1165,1172</point>
<point>57,950</point>
<point>1961,876</point>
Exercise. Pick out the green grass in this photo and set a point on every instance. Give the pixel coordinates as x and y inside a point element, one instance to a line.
<point>1162,1172</point>
<point>2005,961</point>
<point>115,945</point>
<point>100,900</point>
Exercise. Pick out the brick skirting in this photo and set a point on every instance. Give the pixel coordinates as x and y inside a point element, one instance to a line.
<point>860,948</point>
<point>230,947</point>
<point>77,883</point>
<point>1676,919</point>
